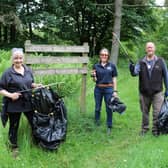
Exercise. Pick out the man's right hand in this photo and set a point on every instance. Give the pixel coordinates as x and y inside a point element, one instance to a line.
<point>166,93</point>
<point>131,68</point>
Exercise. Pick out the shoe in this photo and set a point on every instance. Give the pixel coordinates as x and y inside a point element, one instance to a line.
<point>156,134</point>
<point>15,152</point>
<point>11,146</point>
<point>108,131</point>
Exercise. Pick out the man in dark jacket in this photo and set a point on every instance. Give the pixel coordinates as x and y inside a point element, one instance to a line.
<point>152,71</point>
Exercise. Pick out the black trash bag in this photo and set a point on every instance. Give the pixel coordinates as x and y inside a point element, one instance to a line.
<point>116,105</point>
<point>50,119</point>
<point>163,118</point>
<point>4,114</point>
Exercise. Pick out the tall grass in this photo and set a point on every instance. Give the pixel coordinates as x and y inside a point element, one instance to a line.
<point>88,146</point>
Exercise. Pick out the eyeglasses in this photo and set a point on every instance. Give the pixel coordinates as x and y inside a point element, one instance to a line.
<point>103,54</point>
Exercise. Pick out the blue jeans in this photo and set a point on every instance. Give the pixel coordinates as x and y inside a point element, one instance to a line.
<point>99,93</point>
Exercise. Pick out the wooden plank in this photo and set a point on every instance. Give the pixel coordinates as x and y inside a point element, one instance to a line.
<point>60,71</point>
<point>83,88</point>
<point>55,60</point>
<point>56,48</point>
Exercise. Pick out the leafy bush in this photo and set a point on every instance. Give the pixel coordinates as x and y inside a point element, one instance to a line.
<point>4,60</point>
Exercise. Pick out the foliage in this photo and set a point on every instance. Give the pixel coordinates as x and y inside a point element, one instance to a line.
<point>161,37</point>
<point>134,24</point>
<point>89,146</point>
<point>74,22</point>
<point>5,61</point>
<point>64,85</point>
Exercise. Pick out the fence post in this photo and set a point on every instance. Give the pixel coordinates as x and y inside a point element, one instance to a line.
<point>83,87</point>
<point>26,44</point>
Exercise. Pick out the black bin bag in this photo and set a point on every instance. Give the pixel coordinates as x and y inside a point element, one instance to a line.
<point>50,118</point>
<point>4,114</point>
<point>116,105</point>
<point>163,118</point>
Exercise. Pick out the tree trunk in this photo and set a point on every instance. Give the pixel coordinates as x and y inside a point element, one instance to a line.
<point>29,23</point>
<point>12,33</point>
<point>5,34</point>
<point>116,30</point>
<point>30,31</point>
<point>0,33</point>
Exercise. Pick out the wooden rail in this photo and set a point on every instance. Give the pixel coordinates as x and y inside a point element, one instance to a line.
<point>32,58</point>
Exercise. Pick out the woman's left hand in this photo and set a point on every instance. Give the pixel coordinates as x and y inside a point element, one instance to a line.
<point>115,94</point>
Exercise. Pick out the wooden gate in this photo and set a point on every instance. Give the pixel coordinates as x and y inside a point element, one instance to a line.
<point>81,58</point>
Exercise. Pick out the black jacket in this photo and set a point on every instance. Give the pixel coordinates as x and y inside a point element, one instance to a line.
<point>14,82</point>
<point>150,84</point>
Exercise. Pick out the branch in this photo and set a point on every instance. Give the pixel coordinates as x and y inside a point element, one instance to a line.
<point>134,6</point>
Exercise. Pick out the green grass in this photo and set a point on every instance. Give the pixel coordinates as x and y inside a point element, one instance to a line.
<point>88,146</point>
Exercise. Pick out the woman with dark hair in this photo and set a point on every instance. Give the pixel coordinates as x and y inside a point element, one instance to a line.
<point>104,74</point>
<point>15,79</point>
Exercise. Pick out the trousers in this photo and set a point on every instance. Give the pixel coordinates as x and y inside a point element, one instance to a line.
<point>99,94</point>
<point>14,119</point>
<point>146,102</point>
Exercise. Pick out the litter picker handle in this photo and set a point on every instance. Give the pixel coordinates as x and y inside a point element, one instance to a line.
<point>125,51</point>
<point>43,86</point>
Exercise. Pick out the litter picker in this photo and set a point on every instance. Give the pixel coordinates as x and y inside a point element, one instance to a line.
<point>43,86</point>
<point>125,51</point>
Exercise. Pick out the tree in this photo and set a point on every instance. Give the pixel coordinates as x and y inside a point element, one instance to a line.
<point>116,30</point>
<point>162,34</point>
<point>29,12</point>
<point>73,21</point>
<point>9,21</point>
<point>84,21</point>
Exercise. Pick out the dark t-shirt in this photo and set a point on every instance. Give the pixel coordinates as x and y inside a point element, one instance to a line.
<point>14,82</point>
<point>104,74</point>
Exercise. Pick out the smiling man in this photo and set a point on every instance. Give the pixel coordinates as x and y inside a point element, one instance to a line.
<point>152,71</point>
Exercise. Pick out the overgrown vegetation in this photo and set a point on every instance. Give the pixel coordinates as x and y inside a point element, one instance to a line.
<point>87,145</point>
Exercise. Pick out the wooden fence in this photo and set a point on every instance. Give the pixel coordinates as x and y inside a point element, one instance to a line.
<point>82,58</point>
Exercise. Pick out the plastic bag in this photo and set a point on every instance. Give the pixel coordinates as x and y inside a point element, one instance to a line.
<point>163,118</point>
<point>116,105</point>
<point>4,114</point>
<point>49,120</point>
